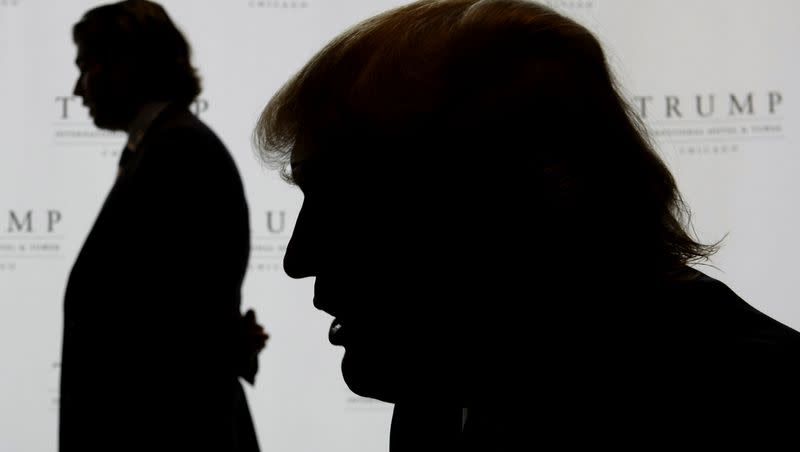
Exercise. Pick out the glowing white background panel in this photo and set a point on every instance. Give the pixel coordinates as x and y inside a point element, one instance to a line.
<point>736,166</point>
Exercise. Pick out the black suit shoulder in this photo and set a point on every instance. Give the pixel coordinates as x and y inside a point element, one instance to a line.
<point>185,166</point>
<point>182,138</point>
<point>716,307</point>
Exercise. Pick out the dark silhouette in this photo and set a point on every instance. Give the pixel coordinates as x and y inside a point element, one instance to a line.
<point>503,251</point>
<point>154,342</point>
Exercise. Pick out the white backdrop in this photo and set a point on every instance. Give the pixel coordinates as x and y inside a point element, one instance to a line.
<point>716,82</point>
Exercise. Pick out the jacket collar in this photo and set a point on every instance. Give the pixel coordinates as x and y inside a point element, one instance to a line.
<point>143,120</point>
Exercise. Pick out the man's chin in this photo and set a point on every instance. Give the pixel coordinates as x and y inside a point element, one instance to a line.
<point>369,379</point>
<point>106,124</point>
<point>107,120</point>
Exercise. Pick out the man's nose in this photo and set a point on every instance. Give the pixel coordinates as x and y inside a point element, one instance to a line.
<point>78,89</point>
<point>295,261</point>
<point>300,260</point>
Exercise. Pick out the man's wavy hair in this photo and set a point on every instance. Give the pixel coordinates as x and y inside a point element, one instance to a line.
<point>141,31</point>
<point>503,84</point>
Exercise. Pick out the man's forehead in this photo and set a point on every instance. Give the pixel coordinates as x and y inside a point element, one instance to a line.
<point>84,53</point>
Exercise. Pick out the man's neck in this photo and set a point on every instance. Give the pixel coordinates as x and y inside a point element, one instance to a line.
<point>142,121</point>
<point>425,426</point>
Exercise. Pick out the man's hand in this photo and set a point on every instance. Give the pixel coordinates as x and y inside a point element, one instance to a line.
<point>252,338</point>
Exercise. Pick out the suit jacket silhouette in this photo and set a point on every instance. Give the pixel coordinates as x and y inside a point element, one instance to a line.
<point>620,362</point>
<point>152,303</point>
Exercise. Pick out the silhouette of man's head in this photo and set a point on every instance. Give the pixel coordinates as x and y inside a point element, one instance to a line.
<point>463,164</point>
<point>130,53</point>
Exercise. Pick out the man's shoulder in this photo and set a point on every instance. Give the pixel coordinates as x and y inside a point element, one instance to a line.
<point>716,308</point>
<point>179,124</point>
<point>179,136</point>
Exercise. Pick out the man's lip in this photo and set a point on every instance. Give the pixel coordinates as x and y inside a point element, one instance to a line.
<point>337,334</point>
